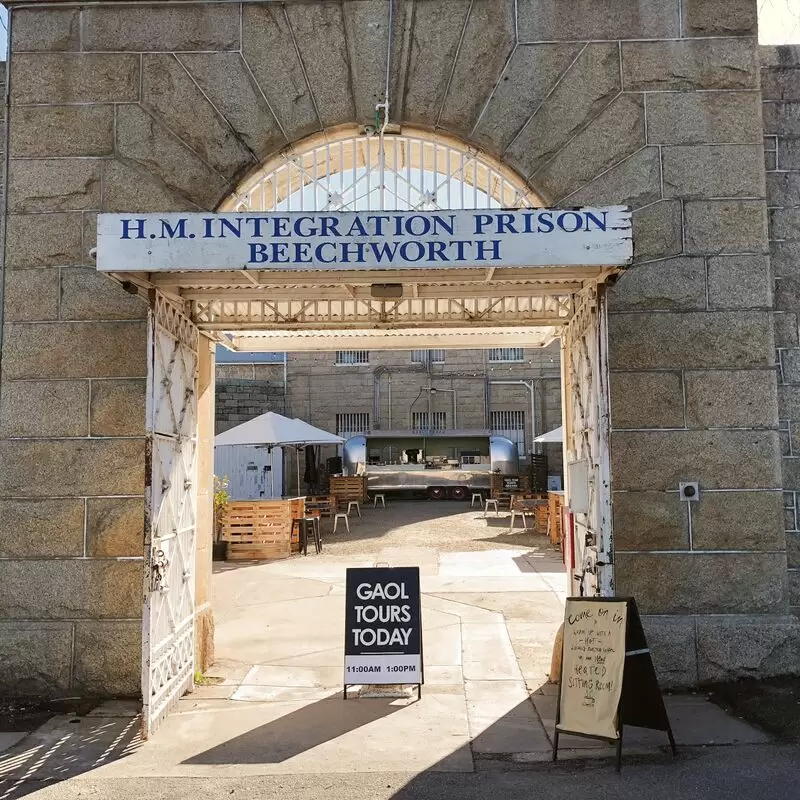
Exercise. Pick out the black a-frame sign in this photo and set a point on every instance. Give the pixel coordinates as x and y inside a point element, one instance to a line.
<point>608,689</point>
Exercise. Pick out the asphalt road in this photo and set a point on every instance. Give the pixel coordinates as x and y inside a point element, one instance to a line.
<point>716,773</point>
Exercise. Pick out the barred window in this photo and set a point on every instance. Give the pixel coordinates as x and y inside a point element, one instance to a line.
<point>352,357</point>
<point>422,421</point>
<point>427,357</point>
<point>352,424</point>
<point>510,424</point>
<point>506,354</point>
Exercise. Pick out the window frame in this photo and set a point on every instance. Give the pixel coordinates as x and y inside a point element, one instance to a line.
<point>520,350</point>
<point>340,362</point>
<point>350,430</point>
<point>427,356</point>
<point>423,416</point>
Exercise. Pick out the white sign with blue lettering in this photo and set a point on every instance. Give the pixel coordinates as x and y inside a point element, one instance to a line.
<point>365,240</point>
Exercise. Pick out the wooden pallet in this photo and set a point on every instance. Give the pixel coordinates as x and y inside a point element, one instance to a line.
<point>321,505</point>
<point>542,515</point>
<point>257,530</point>
<point>347,490</point>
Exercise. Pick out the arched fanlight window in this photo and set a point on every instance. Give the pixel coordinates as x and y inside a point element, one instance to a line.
<point>411,171</point>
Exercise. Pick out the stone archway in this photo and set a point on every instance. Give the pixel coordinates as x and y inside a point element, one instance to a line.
<point>158,107</point>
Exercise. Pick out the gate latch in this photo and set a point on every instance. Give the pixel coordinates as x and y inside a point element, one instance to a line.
<point>158,572</point>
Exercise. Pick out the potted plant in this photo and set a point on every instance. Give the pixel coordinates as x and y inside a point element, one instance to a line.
<point>221,498</point>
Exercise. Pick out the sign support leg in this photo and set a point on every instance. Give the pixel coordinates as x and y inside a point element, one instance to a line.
<point>672,742</point>
<point>619,748</point>
<point>558,719</point>
<point>555,744</point>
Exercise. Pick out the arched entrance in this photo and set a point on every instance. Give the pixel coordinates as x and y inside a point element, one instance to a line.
<point>266,306</point>
<point>160,107</point>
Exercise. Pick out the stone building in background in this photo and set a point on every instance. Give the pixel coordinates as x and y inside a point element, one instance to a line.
<point>512,391</point>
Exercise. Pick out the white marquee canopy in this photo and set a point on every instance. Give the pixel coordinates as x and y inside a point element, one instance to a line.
<point>275,430</point>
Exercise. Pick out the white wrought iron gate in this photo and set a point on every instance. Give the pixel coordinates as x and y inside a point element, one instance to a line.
<point>170,512</point>
<point>587,443</point>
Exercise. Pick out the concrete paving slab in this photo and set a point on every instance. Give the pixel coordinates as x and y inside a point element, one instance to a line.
<point>263,694</point>
<point>117,708</point>
<point>10,738</point>
<point>530,582</point>
<point>502,719</point>
<point>543,688</point>
<point>426,558</point>
<point>259,586</point>
<point>323,568</point>
<point>432,618</point>
<point>453,604</point>
<point>442,675</point>
<point>488,654</point>
<point>542,606</point>
<point>330,657</point>
<point>213,691</point>
<point>484,563</point>
<point>443,646</point>
<point>283,630</point>
<point>294,676</point>
<point>557,581</point>
<point>229,670</point>
<point>218,738</point>
<point>533,646</point>
<point>697,721</point>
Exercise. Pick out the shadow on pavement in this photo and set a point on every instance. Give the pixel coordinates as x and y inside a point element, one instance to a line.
<point>66,747</point>
<point>297,732</point>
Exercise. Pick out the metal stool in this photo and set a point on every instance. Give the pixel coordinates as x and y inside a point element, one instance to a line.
<point>380,497</point>
<point>310,523</point>
<point>341,515</point>
<point>491,502</point>
<point>350,506</point>
<point>476,496</point>
<point>515,512</point>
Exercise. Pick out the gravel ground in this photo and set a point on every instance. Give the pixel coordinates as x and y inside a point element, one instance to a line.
<point>449,526</point>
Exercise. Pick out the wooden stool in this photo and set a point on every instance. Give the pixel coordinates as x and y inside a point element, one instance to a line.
<point>490,502</point>
<point>341,515</point>
<point>350,506</point>
<point>476,496</point>
<point>380,497</point>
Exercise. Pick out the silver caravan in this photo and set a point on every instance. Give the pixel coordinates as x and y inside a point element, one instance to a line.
<point>444,464</point>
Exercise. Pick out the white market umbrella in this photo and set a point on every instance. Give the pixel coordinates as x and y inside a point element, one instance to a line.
<point>556,435</point>
<point>274,430</point>
<point>317,435</point>
<point>270,429</point>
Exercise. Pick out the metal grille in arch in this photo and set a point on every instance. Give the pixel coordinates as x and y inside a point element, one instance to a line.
<point>404,172</point>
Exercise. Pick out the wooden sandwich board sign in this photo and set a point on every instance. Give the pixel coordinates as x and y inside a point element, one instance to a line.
<point>607,677</point>
<point>383,627</point>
